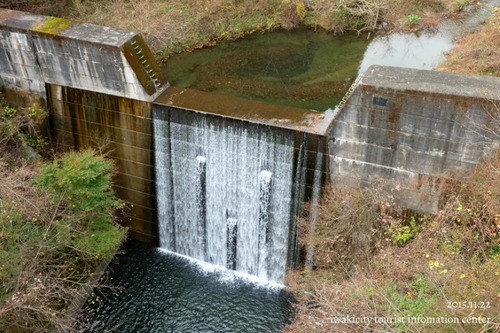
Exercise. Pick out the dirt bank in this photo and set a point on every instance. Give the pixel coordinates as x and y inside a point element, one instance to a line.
<point>177,25</point>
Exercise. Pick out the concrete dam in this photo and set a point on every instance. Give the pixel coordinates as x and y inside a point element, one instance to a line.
<point>223,179</point>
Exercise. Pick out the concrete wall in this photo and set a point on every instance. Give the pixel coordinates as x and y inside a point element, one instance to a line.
<point>19,70</point>
<point>36,49</point>
<point>98,83</point>
<point>122,128</point>
<point>405,129</point>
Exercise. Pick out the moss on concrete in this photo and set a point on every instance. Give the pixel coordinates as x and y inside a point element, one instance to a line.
<point>52,25</point>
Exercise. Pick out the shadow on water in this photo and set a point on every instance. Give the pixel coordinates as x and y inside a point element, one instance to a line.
<point>154,291</point>
<point>300,68</point>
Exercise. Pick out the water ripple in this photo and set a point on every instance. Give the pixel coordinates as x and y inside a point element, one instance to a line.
<point>159,292</point>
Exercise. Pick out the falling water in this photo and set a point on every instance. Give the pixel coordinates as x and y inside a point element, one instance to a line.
<point>201,198</point>
<point>265,177</point>
<point>225,191</point>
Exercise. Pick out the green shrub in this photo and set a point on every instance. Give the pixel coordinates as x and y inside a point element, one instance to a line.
<point>102,237</point>
<point>82,180</point>
<point>52,238</point>
<point>418,300</point>
<point>401,232</point>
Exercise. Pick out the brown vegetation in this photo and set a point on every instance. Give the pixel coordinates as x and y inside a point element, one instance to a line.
<point>349,230</point>
<point>479,52</point>
<point>178,25</point>
<point>442,266</point>
<point>56,225</point>
<point>20,132</point>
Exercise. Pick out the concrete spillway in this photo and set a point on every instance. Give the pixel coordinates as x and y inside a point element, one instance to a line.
<point>225,190</point>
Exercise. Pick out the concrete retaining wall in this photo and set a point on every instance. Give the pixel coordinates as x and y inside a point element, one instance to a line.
<point>36,49</point>
<point>405,129</point>
<point>402,129</point>
<point>19,70</point>
<point>121,128</point>
<point>98,83</point>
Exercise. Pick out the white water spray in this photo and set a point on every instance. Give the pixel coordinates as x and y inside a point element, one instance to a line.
<point>224,191</point>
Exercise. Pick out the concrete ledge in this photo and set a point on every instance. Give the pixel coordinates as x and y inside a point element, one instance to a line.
<point>401,126</point>
<point>431,82</point>
<point>302,120</point>
<point>43,49</point>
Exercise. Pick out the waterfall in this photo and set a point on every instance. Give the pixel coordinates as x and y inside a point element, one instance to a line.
<point>265,177</point>
<point>201,190</point>
<point>225,190</point>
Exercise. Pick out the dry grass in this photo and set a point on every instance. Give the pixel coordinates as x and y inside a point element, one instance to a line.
<point>479,52</point>
<point>48,254</point>
<point>453,258</point>
<point>175,25</point>
<point>21,137</point>
<point>349,230</point>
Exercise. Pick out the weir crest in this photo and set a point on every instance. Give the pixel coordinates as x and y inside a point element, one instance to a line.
<point>225,191</point>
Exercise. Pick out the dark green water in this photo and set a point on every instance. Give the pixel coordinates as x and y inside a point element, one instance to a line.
<point>303,68</point>
<point>161,292</point>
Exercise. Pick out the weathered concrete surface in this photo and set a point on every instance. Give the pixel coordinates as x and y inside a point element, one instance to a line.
<point>256,112</point>
<point>19,71</point>
<point>406,129</point>
<point>122,128</point>
<point>36,49</point>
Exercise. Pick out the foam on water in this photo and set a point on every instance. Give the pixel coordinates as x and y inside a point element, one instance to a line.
<point>226,276</point>
<point>153,290</point>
